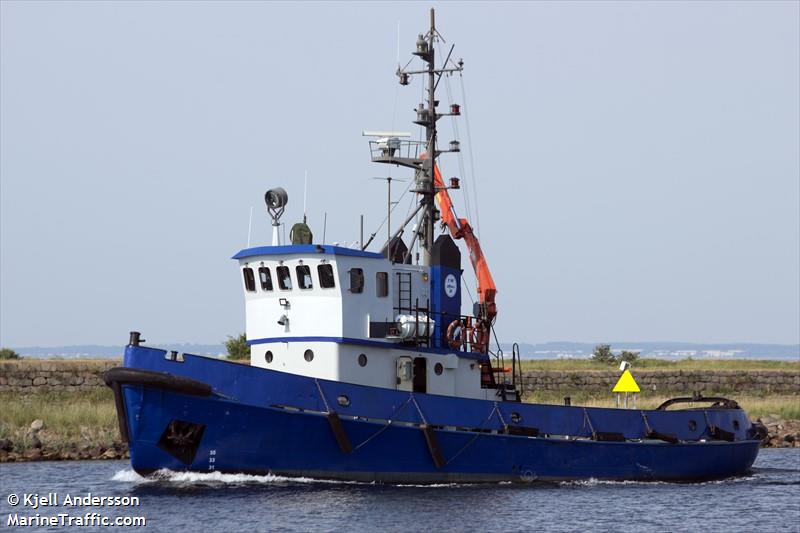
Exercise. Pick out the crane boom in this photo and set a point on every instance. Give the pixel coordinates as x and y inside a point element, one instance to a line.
<point>460,229</point>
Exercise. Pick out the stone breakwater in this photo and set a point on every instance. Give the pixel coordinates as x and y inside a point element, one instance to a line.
<point>30,375</point>
<point>665,382</point>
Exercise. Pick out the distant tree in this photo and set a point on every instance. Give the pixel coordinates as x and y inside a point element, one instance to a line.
<point>8,353</point>
<point>602,354</point>
<point>237,347</point>
<point>630,357</point>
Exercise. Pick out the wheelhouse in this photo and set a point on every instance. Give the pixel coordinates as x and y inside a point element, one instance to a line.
<point>348,315</point>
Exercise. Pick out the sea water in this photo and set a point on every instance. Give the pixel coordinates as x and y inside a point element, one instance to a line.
<point>768,499</point>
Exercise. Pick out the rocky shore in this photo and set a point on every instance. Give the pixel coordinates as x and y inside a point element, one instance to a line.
<point>781,433</point>
<point>38,443</point>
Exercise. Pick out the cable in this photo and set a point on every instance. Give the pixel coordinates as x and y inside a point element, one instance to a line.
<point>471,158</point>
<point>466,192</point>
<point>372,235</point>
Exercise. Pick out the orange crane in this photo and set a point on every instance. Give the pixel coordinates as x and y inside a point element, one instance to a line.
<point>460,229</point>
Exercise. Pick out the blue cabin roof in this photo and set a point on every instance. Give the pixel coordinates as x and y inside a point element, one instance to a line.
<point>306,249</point>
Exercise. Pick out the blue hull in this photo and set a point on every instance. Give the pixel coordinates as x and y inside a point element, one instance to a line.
<point>260,421</point>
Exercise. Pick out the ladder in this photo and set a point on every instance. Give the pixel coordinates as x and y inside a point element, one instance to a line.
<point>404,292</point>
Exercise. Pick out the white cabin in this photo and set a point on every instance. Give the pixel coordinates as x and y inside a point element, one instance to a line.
<point>331,313</point>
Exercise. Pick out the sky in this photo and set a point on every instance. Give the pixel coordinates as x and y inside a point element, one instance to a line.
<point>633,168</point>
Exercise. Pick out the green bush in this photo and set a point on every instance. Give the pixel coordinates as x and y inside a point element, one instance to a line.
<point>8,353</point>
<point>237,347</point>
<point>602,354</point>
<point>630,357</point>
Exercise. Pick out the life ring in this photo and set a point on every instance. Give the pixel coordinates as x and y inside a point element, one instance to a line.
<point>479,337</point>
<point>455,334</point>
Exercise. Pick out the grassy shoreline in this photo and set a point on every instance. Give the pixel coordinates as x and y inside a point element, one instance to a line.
<point>77,425</point>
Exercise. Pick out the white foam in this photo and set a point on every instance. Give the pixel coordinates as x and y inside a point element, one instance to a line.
<point>189,478</point>
<point>433,485</point>
<point>592,482</point>
<point>128,476</point>
<point>164,475</point>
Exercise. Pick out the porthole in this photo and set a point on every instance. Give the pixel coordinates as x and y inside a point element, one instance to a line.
<point>308,355</point>
<point>692,425</point>
<point>343,400</point>
<point>736,425</point>
<point>268,356</point>
<point>438,368</point>
<point>362,359</point>
<point>516,418</point>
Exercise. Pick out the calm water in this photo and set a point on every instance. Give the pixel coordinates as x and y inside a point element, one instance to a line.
<point>767,500</point>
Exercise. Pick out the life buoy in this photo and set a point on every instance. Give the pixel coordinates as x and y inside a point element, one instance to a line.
<point>455,334</point>
<point>479,337</point>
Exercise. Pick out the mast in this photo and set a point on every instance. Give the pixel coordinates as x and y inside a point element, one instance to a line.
<point>424,177</point>
<point>421,156</point>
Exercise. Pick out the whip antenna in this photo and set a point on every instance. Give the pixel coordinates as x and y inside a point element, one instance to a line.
<point>250,226</point>
<point>398,44</point>
<point>305,196</point>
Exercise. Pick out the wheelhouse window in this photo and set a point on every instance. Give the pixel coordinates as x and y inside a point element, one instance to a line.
<point>304,277</point>
<point>356,280</point>
<point>382,284</point>
<point>249,279</point>
<point>265,277</point>
<point>284,278</point>
<point>326,279</point>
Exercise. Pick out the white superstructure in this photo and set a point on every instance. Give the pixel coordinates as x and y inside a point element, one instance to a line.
<point>338,314</point>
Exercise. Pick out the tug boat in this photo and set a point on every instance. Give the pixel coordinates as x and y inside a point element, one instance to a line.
<point>363,367</point>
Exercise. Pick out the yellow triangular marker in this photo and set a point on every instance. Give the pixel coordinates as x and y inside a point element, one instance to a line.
<point>626,383</point>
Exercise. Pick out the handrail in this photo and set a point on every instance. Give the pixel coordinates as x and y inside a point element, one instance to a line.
<point>718,401</point>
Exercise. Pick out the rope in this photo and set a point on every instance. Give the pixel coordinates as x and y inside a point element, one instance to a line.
<point>381,430</point>
<point>497,342</point>
<point>646,423</point>
<point>471,158</point>
<point>386,426</point>
<point>322,395</point>
<point>467,290</point>
<point>477,434</point>
<point>589,420</point>
<point>411,395</point>
<point>454,122</point>
<point>408,187</point>
<point>708,422</point>
<point>500,414</point>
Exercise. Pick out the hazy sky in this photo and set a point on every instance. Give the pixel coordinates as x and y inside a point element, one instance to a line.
<point>637,164</point>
